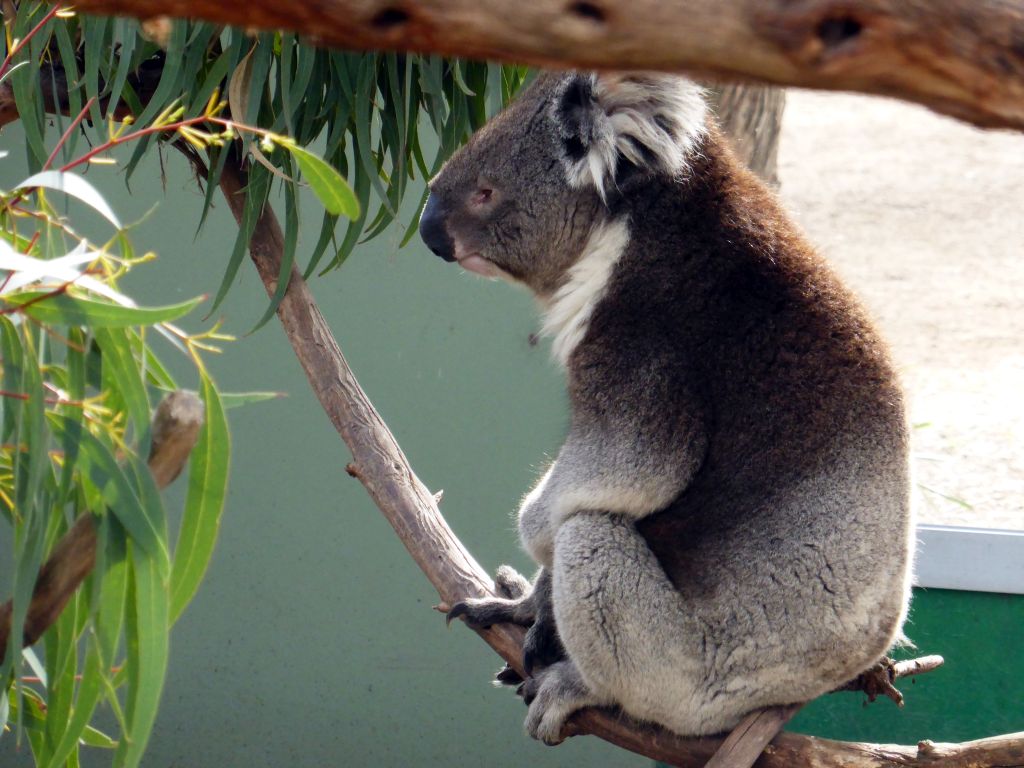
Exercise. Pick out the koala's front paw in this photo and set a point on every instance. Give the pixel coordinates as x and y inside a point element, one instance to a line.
<point>511,583</point>
<point>553,694</point>
<point>515,606</point>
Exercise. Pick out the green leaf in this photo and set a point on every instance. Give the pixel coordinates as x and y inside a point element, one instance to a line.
<point>291,238</point>
<point>25,428</point>
<point>460,81</point>
<point>147,630</point>
<point>255,198</point>
<point>65,308</point>
<point>207,488</point>
<point>95,43</point>
<point>89,692</point>
<point>61,666</point>
<point>330,188</point>
<point>142,523</point>
<point>122,369</point>
<point>94,738</point>
<point>111,591</point>
<point>327,226</point>
<point>128,40</point>
<point>75,186</point>
<point>236,399</point>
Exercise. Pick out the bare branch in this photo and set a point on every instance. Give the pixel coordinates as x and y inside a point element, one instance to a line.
<point>747,741</point>
<point>961,57</point>
<point>176,424</point>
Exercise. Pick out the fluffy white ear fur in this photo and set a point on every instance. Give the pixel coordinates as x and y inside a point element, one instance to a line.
<point>652,120</point>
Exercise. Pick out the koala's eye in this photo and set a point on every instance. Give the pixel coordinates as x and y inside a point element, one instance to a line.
<point>481,196</point>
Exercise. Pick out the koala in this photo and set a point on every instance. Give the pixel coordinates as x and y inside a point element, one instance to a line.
<point>727,524</point>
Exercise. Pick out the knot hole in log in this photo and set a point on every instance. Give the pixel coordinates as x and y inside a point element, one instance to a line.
<point>836,30</point>
<point>589,11</point>
<point>389,18</point>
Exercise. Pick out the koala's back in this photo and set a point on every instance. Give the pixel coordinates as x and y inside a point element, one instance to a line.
<point>794,532</point>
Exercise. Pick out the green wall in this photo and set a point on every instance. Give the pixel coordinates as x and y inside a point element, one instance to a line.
<point>978,692</point>
<point>312,641</point>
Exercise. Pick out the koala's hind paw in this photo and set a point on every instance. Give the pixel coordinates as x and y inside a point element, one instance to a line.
<point>553,695</point>
<point>542,646</point>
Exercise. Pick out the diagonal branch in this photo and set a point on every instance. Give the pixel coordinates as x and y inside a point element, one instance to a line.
<point>960,57</point>
<point>176,424</point>
<point>410,508</point>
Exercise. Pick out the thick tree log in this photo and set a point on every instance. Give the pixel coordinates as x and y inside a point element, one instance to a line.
<point>961,57</point>
<point>176,424</point>
<point>411,509</point>
<point>751,117</point>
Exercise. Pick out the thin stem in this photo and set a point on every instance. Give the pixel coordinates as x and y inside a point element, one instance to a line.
<point>67,134</point>
<point>57,8</point>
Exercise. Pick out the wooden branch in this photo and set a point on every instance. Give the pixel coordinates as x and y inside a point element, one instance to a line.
<point>748,740</point>
<point>744,745</point>
<point>961,57</point>
<point>411,509</point>
<point>751,116</point>
<point>176,424</point>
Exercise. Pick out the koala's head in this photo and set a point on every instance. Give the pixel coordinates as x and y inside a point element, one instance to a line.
<point>520,200</point>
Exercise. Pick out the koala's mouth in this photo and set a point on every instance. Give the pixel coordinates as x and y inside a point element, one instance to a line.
<point>477,264</point>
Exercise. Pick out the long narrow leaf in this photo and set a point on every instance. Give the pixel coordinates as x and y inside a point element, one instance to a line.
<point>123,499</point>
<point>74,185</point>
<point>147,630</point>
<point>332,190</point>
<point>207,489</point>
<point>63,308</point>
<point>120,362</point>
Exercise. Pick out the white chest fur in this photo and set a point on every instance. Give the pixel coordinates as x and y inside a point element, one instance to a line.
<point>568,312</point>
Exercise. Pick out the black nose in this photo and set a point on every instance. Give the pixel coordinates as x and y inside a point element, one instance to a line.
<point>433,232</point>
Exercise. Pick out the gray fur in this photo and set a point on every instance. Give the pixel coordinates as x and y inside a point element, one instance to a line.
<point>727,524</point>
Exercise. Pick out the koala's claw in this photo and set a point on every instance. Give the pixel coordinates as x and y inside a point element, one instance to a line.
<point>508,676</point>
<point>457,610</point>
<point>480,613</point>
<point>514,604</point>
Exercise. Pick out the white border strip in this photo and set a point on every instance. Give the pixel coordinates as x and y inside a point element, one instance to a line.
<point>972,559</point>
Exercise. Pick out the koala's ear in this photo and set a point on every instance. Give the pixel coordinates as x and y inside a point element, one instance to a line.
<point>618,126</point>
<point>577,114</point>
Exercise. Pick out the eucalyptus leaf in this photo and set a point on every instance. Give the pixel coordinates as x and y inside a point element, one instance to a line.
<point>330,188</point>
<point>64,308</point>
<point>74,185</point>
<point>207,488</point>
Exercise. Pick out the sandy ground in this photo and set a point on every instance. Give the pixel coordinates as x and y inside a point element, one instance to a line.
<point>924,217</point>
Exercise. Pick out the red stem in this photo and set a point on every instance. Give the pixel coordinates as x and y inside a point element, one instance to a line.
<point>32,33</point>
<point>169,127</point>
<point>36,300</point>
<point>67,133</point>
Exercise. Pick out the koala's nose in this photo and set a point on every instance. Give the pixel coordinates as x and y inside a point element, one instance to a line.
<point>433,232</point>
